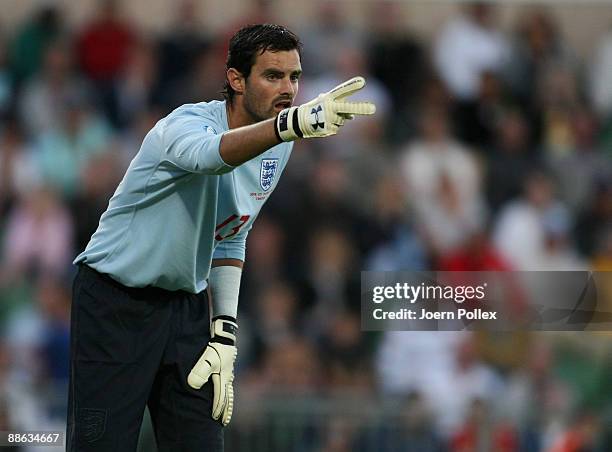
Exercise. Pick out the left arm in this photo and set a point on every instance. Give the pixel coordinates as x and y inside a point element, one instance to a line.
<point>217,361</point>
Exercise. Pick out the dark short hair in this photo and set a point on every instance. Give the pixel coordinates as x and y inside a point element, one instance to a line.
<point>256,39</point>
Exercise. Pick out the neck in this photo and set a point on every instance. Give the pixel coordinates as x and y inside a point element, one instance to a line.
<point>237,116</point>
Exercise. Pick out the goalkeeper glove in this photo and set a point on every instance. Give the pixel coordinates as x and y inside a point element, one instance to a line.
<point>324,115</point>
<point>217,362</point>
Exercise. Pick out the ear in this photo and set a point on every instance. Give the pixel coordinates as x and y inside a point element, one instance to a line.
<point>236,80</point>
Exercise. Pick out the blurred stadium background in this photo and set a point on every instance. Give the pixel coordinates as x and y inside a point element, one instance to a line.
<point>491,150</point>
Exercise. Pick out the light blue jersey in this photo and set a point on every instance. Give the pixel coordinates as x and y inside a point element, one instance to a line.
<point>180,205</point>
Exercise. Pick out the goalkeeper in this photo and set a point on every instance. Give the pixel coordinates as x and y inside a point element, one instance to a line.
<point>142,331</point>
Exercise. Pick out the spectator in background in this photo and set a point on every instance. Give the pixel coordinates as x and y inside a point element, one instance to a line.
<point>45,97</point>
<point>30,42</point>
<point>54,304</point>
<point>440,365</point>
<point>329,33</point>
<point>600,89</point>
<point>179,47</point>
<point>559,98</point>
<point>602,253</point>
<point>267,255</point>
<point>583,164</point>
<point>202,82</point>
<point>390,47</point>
<point>331,282</point>
<point>5,418</point>
<point>337,436</point>
<point>63,152</point>
<point>137,88</point>
<point>480,432</point>
<point>411,430</point>
<point>105,42</point>
<point>533,399</point>
<point>595,222</point>
<point>477,253</point>
<point>290,367</point>
<point>97,180</point>
<point>7,89</point>
<point>130,138</point>
<point>583,434</point>
<point>442,183</point>
<point>394,244</point>
<point>348,366</point>
<point>601,261</point>
<point>467,46</point>
<point>18,171</point>
<point>476,120</point>
<point>560,251</point>
<point>519,233</point>
<point>370,159</point>
<point>532,233</point>
<point>291,372</point>
<point>103,49</point>
<point>432,94</point>
<point>319,202</point>
<point>509,160</point>
<point>537,45</point>
<point>39,237</point>
<point>20,408</point>
<point>256,12</point>
<point>273,320</point>
<point>35,339</point>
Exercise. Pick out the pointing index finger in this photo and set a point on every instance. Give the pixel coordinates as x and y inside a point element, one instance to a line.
<point>347,88</point>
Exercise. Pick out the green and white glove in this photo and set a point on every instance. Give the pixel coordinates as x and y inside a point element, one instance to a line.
<point>324,115</point>
<point>217,362</point>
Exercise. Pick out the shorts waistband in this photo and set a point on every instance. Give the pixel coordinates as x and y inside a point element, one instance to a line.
<point>147,291</point>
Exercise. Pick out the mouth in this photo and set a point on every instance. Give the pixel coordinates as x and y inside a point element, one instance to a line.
<point>282,104</point>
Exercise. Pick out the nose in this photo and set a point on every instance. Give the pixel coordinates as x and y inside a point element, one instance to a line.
<point>287,88</point>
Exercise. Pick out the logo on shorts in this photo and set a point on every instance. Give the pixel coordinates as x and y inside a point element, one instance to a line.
<point>93,423</point>
<point>267,173</point>
<point>315,112</point>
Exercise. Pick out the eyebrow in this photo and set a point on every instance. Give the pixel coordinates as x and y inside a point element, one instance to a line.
<point>271,71</point>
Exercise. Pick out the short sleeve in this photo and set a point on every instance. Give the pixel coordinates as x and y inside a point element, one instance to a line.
<point>232,248</point>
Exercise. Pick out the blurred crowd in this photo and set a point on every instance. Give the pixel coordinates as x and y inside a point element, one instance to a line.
<point>490,150</point>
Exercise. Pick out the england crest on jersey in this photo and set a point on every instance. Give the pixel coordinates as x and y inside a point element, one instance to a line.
<point>267,173</point>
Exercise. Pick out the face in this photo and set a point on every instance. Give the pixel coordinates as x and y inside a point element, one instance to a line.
<point>272,84</point>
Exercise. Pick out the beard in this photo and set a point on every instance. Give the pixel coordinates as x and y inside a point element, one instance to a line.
<point>256,109</point>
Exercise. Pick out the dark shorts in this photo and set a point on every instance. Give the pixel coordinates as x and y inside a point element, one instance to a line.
<point>131,348</point>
